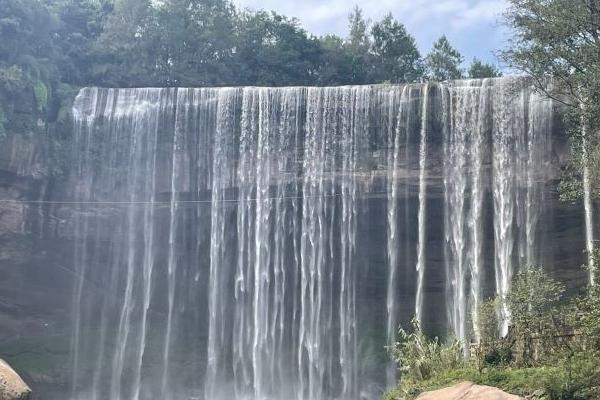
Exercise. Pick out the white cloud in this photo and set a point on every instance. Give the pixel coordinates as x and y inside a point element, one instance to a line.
<point>425,19</point>
<point>313,12</point>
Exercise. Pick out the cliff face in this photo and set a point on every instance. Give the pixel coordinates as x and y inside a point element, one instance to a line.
<point>185,194</point>
<point>35,263</point>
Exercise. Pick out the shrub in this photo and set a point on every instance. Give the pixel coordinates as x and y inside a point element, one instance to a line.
<point>40,91</point>
<point>421,358</point>
<point>533,303</point>
<point>552,348</point>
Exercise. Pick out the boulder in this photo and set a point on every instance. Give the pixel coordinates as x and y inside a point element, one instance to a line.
<point>468,391</point>
<point>12,386</point>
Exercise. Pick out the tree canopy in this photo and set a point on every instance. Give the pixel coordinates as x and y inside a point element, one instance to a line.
<point>51,47</point>
<point>558,43</point>
<point>395,50</point>
<point>444,61</point>
<point>479,70</point>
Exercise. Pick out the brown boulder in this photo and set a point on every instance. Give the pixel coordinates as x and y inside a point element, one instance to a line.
<point>12,386</point>
<point>468,391</point>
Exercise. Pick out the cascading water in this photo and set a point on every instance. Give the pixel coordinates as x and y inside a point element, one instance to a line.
<point>421,245</point>
<point>266,243</point>
<point>463,137</point>
<point>397,101</point>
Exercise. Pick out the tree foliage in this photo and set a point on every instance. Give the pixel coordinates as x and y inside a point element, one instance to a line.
<point>444,61</point>
<point>358,44</point>
<point>51,47</point>
<point>199,43</point>
<point>558,43</point>
<point>553,345</point>
<point>479,70</point>
<point>533,303</point>
<point>421,358</point>
<point>398,59</point>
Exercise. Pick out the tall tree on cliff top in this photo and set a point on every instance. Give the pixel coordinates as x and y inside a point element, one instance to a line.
<point>561,39</point>
<point>359,44</point>
<point>395,50</point>
<point>444,61</point>
<point>197,39</point>
<point>479,70</point>
<point>336,66</point>
<point>130,47</point>
<point>273,50</point>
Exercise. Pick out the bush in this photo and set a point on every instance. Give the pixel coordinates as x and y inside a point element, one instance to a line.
<point>552,348</point>
<point>40,92</point>
<point>533,302</point>
<point>421,358</point>
<point>490,350</point>
<point>498,356</point>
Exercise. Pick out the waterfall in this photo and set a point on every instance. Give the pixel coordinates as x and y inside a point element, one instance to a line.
<point>218,312</point>
<point>267,243</point>
<point>396,98</point>
<point>464,148</point>
<point>422,206</point>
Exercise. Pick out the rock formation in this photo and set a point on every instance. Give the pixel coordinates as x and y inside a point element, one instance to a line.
<point>468,391</point>
<point>12,387</point>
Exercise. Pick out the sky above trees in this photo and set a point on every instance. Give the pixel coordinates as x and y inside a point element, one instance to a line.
<point>473,26</point>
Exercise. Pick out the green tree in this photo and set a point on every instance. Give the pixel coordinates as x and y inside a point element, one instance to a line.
<point>359,45</point>
<point>444,61</point>
<point>489,349</point>
<point>27,67</point>
<point>129,48</point>
<point>358,38</point>
<point>336,62</point>
<point>198,40</point>
<point>588,307</point>
<point>395,51</point>
<point>274,50</point>
<point>26,29</point>
<point>80,25</point>
<point>558,40</point>
<point>479,70</point>
<point>533,303</point>
<point>421,358</point>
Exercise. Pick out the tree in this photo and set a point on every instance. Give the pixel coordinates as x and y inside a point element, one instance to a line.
<point>588,307</point>
<point>358,37</point>
<point>559,40</point>
<point>359,45</point>
<point>479,70</point>
<point>336,62</point>
<point>489,349</point>
<point>129,48</point>
<point>420,358</point>
<point>533,301</point>
<point>27,68</point>
<point>274,50</point>
<point>80,25</point>
<point>198,41</point>
<point>398,59</point>
<point>26,29</point>
<point>444,61</point>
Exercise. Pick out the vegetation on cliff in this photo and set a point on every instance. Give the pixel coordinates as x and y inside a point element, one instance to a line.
<point>552,349</point>
<point>560,40</point>
<point>49,48</point>
<point>553,346</point>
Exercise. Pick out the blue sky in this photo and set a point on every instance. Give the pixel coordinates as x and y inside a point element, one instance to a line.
<point>473,26</point>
